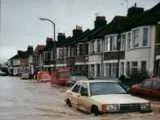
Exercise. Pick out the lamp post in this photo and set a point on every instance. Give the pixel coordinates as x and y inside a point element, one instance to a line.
<point>54,25</point>
<point>54,37</point>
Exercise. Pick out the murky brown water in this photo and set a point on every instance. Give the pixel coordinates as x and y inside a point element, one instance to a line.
<point>28,100</point>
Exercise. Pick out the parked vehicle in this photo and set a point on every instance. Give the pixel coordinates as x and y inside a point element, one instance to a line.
<point>43,76</point>
<point>25,76</point>
<point>74,78</point>
<point>149,87</point>
<point>60,76</point>
<point>3,73</point>
<point>101,96</point>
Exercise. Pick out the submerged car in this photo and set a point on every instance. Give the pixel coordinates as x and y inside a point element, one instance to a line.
<point>149,87</point>
<point>102,96</point>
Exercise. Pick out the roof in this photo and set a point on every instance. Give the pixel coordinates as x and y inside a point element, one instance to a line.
<point>118,25</point>
<point>14,57</point>
<point>121,24</point>
<point>39,48</point>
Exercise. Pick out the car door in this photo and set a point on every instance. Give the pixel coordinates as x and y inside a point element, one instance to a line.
<point>74,94</point>
<point>146,88</point>
<point>84,102</point>
<point>156,88</point>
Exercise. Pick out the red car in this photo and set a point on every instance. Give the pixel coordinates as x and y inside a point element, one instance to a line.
<point>149,87</point>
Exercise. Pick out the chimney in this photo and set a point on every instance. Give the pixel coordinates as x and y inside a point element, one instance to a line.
<point>77,31</point>
<point>30,49</point>
<point>100,21</point>
<point>61,37</point>
<point>134,11</point>
<point>49,43</point>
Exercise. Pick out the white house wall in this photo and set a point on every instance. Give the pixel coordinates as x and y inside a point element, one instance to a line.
<point>143,53</point>
<point>94,59</point>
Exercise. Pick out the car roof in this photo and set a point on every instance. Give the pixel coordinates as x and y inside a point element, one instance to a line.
<point>153,79</point>
<point>96,81</point>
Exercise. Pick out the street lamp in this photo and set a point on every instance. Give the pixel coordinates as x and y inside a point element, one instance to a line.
<point>54,34</point>
<point>54,25</point>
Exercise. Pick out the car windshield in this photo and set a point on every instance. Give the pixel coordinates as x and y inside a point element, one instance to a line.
<point>100,88</point>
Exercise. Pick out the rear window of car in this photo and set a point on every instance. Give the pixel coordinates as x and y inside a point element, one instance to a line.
<point>147,84</point>
<point>156,84</point>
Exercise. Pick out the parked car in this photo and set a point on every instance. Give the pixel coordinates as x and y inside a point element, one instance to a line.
<point>25,76</point>
<point>101,96</point>
<point>74,78</point>
<point>3,73</point>
<point>149,87</point>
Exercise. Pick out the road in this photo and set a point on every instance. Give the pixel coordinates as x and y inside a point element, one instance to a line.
<point>29,100</point>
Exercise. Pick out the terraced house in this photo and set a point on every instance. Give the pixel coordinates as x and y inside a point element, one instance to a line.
<point>22,62</point>
<point>125,45</point>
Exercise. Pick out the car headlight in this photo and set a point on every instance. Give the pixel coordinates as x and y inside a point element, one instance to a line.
<point>113,108</point>
<point>145,106</point>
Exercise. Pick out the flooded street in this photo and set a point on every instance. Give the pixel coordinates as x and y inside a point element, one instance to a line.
<point>29,100</point>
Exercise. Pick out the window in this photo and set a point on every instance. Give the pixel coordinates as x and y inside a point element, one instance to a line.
<point>143,65</point>
<point>98,46</point>
<point>107,44</point>
<point>123,42</point>
<point>147,84</point>
<point>134,67</point>
<point>136,38</point>
<point>129,41</point>
<point>76,88</point>
<point>145,37</point>
<point>98,69</point>
<point>84,89</point>
<point>91,47</point>
<point>113,43</point>
<point>156,84</point>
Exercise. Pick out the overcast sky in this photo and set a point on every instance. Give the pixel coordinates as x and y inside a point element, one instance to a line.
<point>20,25</point>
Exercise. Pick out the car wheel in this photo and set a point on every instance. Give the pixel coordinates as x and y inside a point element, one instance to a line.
<point>68,102</point>
<point>95,110</point>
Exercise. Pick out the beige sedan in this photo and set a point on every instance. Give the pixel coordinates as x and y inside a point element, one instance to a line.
<point>101,96</point>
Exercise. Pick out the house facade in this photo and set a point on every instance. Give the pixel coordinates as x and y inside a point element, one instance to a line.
<point>22,62</point>
<point>125,45</point>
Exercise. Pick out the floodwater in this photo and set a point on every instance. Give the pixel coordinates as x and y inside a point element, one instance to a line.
<point>29,100</point>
